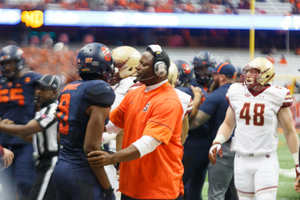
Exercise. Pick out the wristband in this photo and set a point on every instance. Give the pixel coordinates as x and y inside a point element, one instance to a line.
<point>219,138</point>
<point>1,151</point>
<point>108,191</point>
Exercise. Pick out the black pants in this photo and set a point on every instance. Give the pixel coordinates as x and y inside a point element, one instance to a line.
<point>43,186</point>
<point>124,197</point>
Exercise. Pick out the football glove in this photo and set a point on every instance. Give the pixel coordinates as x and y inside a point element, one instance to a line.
<point>109,194</point>
<point>214,149</point>
<point>297,171</point>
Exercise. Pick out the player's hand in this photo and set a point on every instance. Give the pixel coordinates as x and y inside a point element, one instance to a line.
<point>110,197</point>
<point>196,90</point>
<point>7,158</point>
<point>297,169</point>
<point>297,182</point>
<point>7,121</point>
<point>109,194</point>
<point>100,158</point>
<point>214,149</point>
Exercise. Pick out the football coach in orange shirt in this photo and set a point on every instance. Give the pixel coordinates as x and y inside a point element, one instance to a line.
<point>151,116</point>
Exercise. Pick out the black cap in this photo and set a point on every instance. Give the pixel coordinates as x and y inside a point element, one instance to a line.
<point>50,81</point>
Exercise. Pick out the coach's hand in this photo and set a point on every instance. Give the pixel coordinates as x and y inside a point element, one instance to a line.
<point>214,149</point>
<point>100,158</point>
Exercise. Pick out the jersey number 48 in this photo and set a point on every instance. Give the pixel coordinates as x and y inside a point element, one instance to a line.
<point>258,114</point>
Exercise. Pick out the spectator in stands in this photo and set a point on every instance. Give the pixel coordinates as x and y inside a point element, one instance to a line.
<point>162,6</point>
<point>149,6</point>
<point>88,39</point>
<point>35,40</point>
<point>64,38</point>
<point>244,4</point>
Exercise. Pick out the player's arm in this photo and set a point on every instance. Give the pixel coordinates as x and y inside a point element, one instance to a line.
<point>93,137</point>
<point>25,132</point>
<point>226,128</point>
<point>185,129</point>
<point>297,182</point>
<point>286,120</point>
<point>199,119</point>
<point>196,101</point>
<point>223,134</point>
<point>146,144</point>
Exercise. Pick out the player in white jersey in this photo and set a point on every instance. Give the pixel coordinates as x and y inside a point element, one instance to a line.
<point>189,106</point>
<point>256,108</point>
<point>125,58</point>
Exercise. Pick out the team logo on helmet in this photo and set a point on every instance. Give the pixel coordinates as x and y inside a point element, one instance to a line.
<point>106,52</point>
<point>186,68</point>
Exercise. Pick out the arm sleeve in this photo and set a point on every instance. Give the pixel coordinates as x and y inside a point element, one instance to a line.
<point>111,128</point>
<point>146,144</point>
<point>46,116</point>
<point>210,104</point>
<point>164,119</point>
<point>288,100</point>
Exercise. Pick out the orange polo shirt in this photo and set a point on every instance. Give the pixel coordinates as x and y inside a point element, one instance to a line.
<point>157,113</point>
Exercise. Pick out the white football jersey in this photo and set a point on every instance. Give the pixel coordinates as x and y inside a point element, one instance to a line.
<point>186,102</point>
<point>121,89</point>
<point>256,117</point>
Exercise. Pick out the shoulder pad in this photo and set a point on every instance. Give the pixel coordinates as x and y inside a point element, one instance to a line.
<point>101,94</point>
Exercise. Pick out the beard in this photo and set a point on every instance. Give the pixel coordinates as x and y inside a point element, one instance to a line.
<point>214,85</point>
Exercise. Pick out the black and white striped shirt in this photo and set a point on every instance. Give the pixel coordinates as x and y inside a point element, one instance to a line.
<point>45,143</point>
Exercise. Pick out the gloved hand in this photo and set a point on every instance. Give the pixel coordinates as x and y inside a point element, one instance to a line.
<point>109,194</point>
<point>297,169</point>
<point>214,149</point>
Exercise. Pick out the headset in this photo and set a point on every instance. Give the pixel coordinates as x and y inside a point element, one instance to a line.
<point>160,68</point>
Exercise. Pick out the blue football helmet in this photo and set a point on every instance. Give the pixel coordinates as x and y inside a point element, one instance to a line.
<point>185,72</point>
<point>201,62</point>
<point>11,56</point>
<point>94,60</point>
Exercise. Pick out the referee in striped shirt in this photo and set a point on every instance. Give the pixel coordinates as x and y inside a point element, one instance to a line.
<point>42,132</point>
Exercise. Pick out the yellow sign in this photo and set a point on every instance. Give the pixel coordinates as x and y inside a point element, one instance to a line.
<point>34,18</point>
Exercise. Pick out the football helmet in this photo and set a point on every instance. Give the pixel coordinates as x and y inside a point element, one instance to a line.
<point>11,53</point>
<point>185,72</point>
<point>94,59</point>
<point>201,62</point>
<point>172,74</point>
<point>265,76</point>
<point>125,58</point>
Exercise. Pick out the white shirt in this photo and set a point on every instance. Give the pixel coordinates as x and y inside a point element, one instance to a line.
<point>186,102</point>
